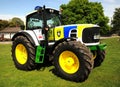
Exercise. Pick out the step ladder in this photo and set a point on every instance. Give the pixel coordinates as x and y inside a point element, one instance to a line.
<point>40,53</point>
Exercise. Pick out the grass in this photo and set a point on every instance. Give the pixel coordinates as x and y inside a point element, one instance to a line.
<point>107,75</point>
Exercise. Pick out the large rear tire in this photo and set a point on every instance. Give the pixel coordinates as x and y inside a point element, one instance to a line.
<point>23,54</point>
<point>72,61</point>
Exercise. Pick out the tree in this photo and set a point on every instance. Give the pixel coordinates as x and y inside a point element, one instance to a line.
<point>16,22</point>
<point>116,21</point>
<point>3,24</point>
<point>83,11</point>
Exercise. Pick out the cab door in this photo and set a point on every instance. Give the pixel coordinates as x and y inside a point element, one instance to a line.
<point>34,22</point>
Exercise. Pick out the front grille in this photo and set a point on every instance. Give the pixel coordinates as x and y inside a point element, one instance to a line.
<point>88,34</point>
<point>73,33</point>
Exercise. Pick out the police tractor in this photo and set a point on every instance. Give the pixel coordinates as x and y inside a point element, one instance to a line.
<point>74,50</point>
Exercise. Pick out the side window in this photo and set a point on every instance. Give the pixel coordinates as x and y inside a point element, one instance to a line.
<point>34,21</point>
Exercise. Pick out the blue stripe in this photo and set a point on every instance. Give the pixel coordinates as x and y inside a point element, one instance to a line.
<point>67,30</point>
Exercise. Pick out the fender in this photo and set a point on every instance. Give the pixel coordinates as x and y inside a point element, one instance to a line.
<point>62,40</point>
<point>30,35</point>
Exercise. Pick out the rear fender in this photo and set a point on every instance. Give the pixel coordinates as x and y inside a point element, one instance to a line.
<point>62,40</point>
<point>30,35</point>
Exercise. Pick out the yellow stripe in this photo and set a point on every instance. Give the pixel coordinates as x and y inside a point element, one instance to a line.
<point>81,27</point>
<point>59,33</point>
<point>51,35</point>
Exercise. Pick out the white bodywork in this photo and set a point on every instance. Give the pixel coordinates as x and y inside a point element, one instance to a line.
<point>36,35</point>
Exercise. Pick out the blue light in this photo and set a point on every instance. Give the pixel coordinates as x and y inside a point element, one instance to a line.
<point>38,8</point>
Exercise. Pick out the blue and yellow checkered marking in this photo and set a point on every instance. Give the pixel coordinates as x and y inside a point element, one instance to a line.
<point>67,30</point>
<point>63,31</point>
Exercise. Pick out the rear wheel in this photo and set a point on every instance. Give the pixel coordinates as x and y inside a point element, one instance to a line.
<point>23,53</point>
<point>72,61</point>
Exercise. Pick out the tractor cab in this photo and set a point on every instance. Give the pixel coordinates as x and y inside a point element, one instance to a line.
<point>41,20</point>
<point>43,17</point>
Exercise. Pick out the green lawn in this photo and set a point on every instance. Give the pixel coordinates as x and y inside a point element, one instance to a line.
<point>107,75</point>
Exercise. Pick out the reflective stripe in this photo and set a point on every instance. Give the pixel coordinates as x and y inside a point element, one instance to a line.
<point>67,30</point>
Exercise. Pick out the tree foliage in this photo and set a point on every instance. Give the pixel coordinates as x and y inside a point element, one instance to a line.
<point>83,11</point>
<point>116,21</point>
<point>3,24</point>
<point>14,22</point>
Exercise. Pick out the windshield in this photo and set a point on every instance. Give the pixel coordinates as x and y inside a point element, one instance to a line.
<point>53,20</point>
<point>35,20</point>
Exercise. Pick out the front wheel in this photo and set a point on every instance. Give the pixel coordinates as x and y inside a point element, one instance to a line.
<point>99,57</point>
<point>23,53</point>
<point>72,61</point>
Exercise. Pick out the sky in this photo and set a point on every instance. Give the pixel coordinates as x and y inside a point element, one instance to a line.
<point>20,8</point>
<point>109,6</point>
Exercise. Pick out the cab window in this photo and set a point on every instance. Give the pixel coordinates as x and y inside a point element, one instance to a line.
<point>34,21</point>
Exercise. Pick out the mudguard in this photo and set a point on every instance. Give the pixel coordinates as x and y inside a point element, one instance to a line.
<point>30,35</point>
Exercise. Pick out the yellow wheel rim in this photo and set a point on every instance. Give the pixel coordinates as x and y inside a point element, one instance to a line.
<point>21,54</point>
<point>69,62</point>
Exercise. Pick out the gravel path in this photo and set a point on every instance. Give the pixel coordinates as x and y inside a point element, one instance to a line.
<point>6,42</point>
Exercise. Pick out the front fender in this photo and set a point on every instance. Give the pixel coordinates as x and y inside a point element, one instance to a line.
<point>30,35</point>
<point>98,47</point>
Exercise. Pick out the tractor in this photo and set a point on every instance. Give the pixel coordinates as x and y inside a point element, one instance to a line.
<point>74,50</point>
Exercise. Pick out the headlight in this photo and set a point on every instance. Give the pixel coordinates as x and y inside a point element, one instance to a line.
<point>97,36</point>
